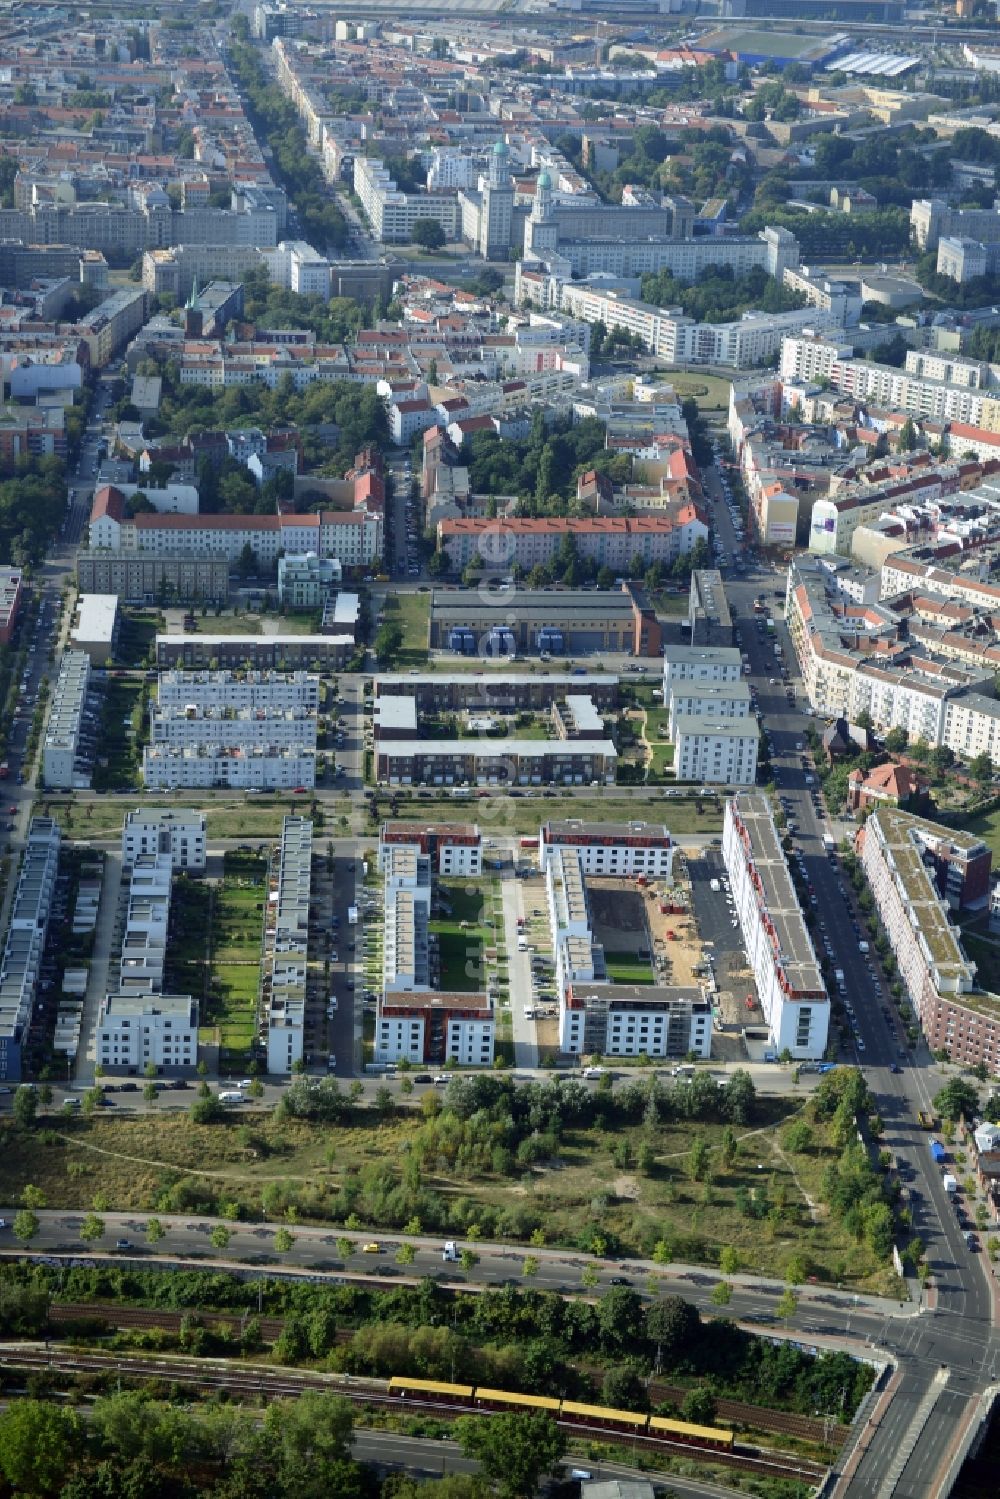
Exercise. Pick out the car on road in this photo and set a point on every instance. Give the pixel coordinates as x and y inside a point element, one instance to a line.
<point>123,1243</point>
<point>372,1247</point>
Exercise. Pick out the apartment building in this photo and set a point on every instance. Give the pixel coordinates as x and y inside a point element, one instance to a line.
<point>136,1031</point>
<point>286,947</point>
<point>806,359</point>
<point>273,691</point>
<point>138,578</point>
<point>202,767</point>
<point>143,953</point>
<point>306,581</point>
<point>482,762</point>
<point>778,946</point>
<point>678,339</point>
<point>415,1019</point>
<point>11,594</point>
<point>495,692</point>
<point>352,537</point>
<point>709,615</point>
<point>713,700</point>
<point>596,1016</point>
<point>255,652</point>
<point>109,326</point>
<point>455,849</point>
<point>96,627</point>
<point>683,664</point>
<point>162,831</point>
<point>25,942</point>
<point>230,728</point>
<point>625,849</point>
<point>955,1015</point>
<point>62,766</point>
<point>717,752</point>
<point>610,541</point>
<point>392,214</point>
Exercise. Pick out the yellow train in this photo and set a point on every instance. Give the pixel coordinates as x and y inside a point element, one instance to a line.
<point>566,1412</point>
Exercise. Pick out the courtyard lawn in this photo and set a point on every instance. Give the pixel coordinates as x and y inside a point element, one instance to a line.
<point>461,947</point>
<point>711,393</point>
<point>137,639</point>
<point>987,827</point>
<point>626,968</point>
<point>234,948</point>
<point>124,729</point>
<point>412,612</point>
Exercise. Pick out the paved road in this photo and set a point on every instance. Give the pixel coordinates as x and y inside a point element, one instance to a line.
<point>958,1334</point>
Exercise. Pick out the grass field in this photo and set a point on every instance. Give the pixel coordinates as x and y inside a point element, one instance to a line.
<point>137,640</point>
<point>123,731</point>
<point>412,612</point>
<point>507,814</point>
<point>625,968</point>
<point>987,828</point>
<point>231,957</point>
<point>257,818</point>
<point>166,1163</point>
<point>460,949</point>
<point>767,43</point>
<point>711,392</point>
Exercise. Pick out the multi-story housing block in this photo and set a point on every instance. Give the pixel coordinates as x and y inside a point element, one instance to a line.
<point>778,946</point>
<point>25,942</point>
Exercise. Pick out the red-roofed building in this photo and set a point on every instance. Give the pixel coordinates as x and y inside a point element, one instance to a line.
<point>886,785</point>
<point>608,541</point>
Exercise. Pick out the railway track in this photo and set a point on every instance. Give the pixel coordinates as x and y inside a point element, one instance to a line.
<point>739,1412</point>
<point>263,1382</point>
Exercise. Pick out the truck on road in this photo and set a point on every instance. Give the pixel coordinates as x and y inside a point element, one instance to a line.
<point>352,915</point>
<point>829,843</point>
<point>841,982</point>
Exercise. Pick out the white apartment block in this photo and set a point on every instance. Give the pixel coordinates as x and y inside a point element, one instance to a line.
<point>296,266</point>
<point>455,849</point>
<point>808,359</point>
<point>179,834</point>
<point>696,663</point>
<point>432,1027</point>
<point>609,848</point>
<point>708,700</point>
<point>682,340</point>
<point>248,728</point>
<point>717,752</point>
<point>353,537</point>
<point>286,947</point>
<point>777,942</point>
<point>61,767</point>
<point>175,768</point>
<point>134,1031</point>
<point>24,945</point>
<point>392,214</point>
<point>406,918</point>
<point>274,691</point>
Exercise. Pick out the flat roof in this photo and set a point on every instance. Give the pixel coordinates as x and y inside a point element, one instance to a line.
<point>498,749</point>
<point>719,728</point>
<point>900,835</point>
<point>795,952</point>
<point>574,828</point>
<point>96,615</point>
<point>396,713</point>
<point>720,654</point>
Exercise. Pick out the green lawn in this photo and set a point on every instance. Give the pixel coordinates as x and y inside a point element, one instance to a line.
<point>987,827</point>
<point>711,393</point>
<point>235,945</point>
<point>626,968</point>
<point>136,643</point>
<point>412,612</point>
<point>461,949</point>
<point>124,729</point>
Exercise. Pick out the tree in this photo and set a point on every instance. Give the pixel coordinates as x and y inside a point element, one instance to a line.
<point>514,1451</point>
<point>154,1231</point>
<point>220,1236</point>
<point>92,1228</point>
<point>729,1260</point>
<point>981,769</point>
<point>311,1437</point>
<point>896,741</point>
<point>699,1158</point>
<point>671,1324</point>
<point>798,1137</point>
<point>26,1225</point>
<point>907,436</point>
<point>428,234</point>
<point>25,1107</point>
<point>722,1293</point>
<point>150,1092</point>
<point>529,1266</point>
<point>699,1406</point>
<point>624,1389</point>
<point>32,1197</point>
<point>787,1305</point>
<point>40,1443</point>
<point>283,1240</point>
<point>957,1099</point>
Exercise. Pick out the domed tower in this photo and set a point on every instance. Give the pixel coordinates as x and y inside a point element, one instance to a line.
<point>497,211</point>
<point>542,231</point>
